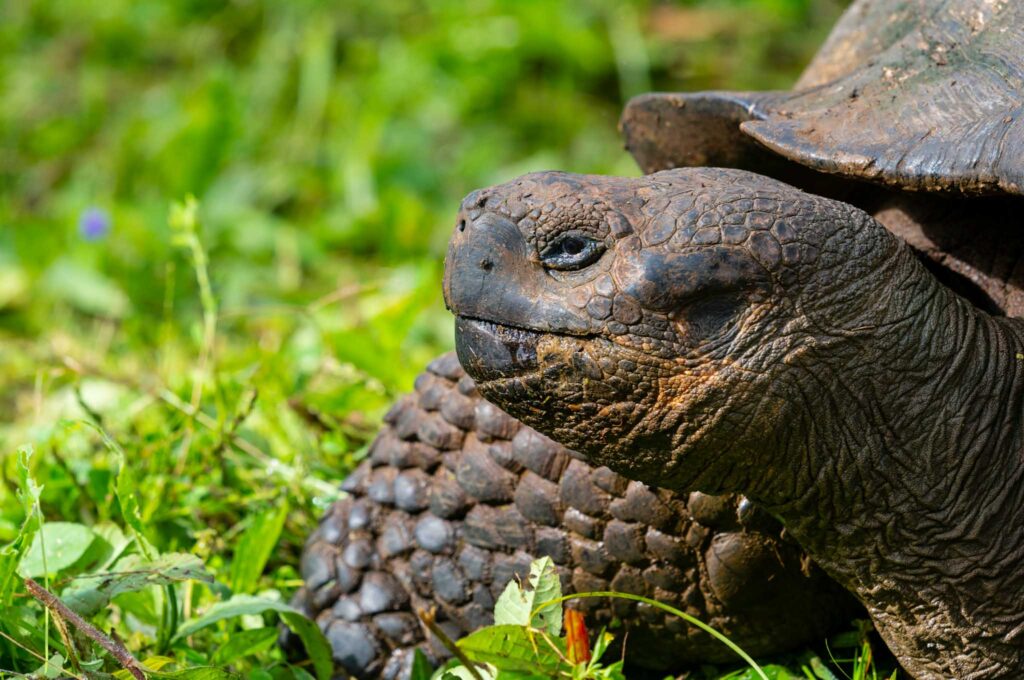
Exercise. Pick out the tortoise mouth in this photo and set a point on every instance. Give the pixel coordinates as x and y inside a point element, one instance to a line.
<point>491,351</point>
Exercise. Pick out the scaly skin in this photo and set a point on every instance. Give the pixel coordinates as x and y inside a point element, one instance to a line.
<point>455,500</point>
<point>731,333</point>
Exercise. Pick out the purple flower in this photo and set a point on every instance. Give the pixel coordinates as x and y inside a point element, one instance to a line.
<point>93,224</point>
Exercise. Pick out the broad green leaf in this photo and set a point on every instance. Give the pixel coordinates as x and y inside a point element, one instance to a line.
<point>516,604</point>
<point>241,605</point>
<point>514,648</point>
<point>89,594</point>
<point>243,644</point>
<point>64,544</point>
<point>255,546</point>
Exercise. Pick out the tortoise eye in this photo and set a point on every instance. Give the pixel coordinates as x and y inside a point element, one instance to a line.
<point>572,251</point>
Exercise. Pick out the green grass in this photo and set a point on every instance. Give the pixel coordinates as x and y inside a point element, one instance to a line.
<point>194,384</point>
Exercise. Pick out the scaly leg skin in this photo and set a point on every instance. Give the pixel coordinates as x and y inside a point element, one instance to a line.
<point>457,498</point>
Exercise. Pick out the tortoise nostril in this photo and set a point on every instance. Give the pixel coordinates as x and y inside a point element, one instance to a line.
<point>486,264</point>
<point>462,225</point>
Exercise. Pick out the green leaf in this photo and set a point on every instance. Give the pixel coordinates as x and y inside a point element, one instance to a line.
<point>245,643</point>
<point>421,669</point>
<point>821,671</point>
<point>317,648</point>
<point>88,595</point>
<point>12,554</point>
<point>124,489</point>
<point>773,672</point>
<point>513,648</point>
<point>516,604</point>
<point>53,668</point>
<point>487,672</point>
<point>85,289</point>
<point>64,544</point>
<point>296,672</point>
<point>110,544</point>
<point>255,546</point>
<point>154,664</point>
<point>197,673</point>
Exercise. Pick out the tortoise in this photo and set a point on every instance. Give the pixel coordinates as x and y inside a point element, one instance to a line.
<point>456,498</point>
<point>814,300</point>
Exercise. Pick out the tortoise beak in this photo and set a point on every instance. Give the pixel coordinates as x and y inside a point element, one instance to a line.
<point>489,274</point>
<point>489,351</point>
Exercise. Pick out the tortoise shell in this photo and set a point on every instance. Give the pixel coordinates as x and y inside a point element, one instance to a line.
<point>914,94</point>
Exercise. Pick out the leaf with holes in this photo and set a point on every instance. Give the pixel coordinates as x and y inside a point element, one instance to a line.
<point>89,594</point>
<point>516,604</point>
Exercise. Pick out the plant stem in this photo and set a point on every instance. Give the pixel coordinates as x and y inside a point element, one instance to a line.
<point>664,607</point>
<point>427,617</point>
<point>116,649</point>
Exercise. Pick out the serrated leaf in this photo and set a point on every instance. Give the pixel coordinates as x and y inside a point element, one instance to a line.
<point>513,648</point>
<point>317,648</point>
<point>245,643</point>
<point>89,594</point>
<point>12,553</point>
<point>516,603</point>
<point>64,544</point>
<point>255,546</point>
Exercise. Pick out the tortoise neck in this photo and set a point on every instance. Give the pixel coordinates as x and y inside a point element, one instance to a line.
<point>927,524</point>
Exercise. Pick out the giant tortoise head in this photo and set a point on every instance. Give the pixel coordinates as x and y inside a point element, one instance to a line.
<point>665,326</point>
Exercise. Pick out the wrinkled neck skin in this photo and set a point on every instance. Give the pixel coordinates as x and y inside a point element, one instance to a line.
<point>908,486</point>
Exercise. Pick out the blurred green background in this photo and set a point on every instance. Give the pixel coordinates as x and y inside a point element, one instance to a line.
<point>328,145</point>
